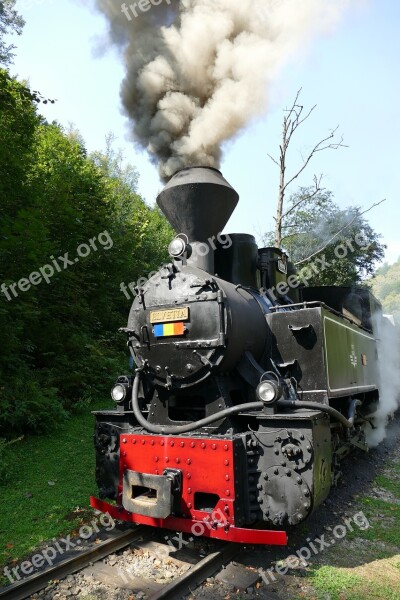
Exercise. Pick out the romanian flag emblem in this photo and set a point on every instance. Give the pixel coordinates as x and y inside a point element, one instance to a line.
<point>168,329</point>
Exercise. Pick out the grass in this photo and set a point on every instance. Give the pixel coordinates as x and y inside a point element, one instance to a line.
<point>374,582</point>
<point>49,481</point>
<point>374,567</point>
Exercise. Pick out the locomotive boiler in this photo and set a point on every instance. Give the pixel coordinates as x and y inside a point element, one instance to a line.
<point>245,395</point>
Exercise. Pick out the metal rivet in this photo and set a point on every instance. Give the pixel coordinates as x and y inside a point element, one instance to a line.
<point>189,505</point>
<point>203,445</point>
<point>182,444</point>
<point>188,476</point>
<point>166,459</point>
<point>177,460</point>
<point>134,441</point>
<point>226,462</point>
<point>124,441</point>
<point>143,442</point>
<point>156,458</point>
<point>227,477</point>
<point>162,443</point>
<point>189,490</point>
<point>226,447</point>
<point>188,462</point>
<point>152,442</point>
<point>172,443</point>
<point>227,492</point>
<point>214,446</point>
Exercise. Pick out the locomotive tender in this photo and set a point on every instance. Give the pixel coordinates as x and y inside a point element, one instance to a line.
<point>244,399</point>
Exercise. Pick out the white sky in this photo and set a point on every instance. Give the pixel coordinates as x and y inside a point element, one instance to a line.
<point>352,75</point>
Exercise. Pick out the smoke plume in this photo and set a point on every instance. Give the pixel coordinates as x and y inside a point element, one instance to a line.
<point>197,71</point>
<point>388,362</point>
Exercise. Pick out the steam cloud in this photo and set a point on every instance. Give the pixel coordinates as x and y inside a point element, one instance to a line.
<point>389,395</point>
<point>197,71</point>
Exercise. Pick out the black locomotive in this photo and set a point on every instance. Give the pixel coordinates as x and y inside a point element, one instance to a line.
<point>245,396</point>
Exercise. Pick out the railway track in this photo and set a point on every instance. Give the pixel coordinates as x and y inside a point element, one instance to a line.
<point>181,585</point>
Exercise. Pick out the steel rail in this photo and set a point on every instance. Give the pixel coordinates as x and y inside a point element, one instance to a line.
<point>197,574</point>
<point>34,583</point>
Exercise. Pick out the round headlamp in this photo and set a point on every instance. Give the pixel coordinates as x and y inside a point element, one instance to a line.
<point>268,391</point>
<point>118,392</point>
<point>177,247</point>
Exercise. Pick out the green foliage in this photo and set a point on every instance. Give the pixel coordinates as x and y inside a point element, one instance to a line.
<point>10,21</point>
<point>315,226</point>
<point>25,405</point>
<point>386,287</point>
<point>59,342</point>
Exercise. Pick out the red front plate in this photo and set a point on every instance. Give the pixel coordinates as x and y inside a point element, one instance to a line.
<point>207,467</point>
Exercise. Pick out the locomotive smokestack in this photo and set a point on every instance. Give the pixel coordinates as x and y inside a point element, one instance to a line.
<point>198,202</point>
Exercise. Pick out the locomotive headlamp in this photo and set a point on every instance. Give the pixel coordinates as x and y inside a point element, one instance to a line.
<point>177,247</point>
<point>118,392</point>
<point>268,391</point>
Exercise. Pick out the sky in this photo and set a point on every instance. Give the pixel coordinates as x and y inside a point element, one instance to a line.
<point>351,74</point>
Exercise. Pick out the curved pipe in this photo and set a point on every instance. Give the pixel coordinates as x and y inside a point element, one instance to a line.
<point>332,412</point>
<point>176,429</point>
<point>352,409</point>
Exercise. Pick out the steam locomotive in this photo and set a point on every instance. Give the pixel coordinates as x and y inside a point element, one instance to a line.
<point>246,393</point>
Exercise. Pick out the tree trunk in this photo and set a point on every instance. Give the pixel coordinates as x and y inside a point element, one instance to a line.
<point>281,192</point>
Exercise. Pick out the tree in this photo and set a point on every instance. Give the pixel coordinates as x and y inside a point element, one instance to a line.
<point>386,287</point>
<point>293,118</point>
<point>10,21</point>
<point>59,341</point>
<point>332,246</point>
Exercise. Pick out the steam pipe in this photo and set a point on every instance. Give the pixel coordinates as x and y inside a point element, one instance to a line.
<point>176,429</point>
<point>352,409</point>
<point>332,412</point>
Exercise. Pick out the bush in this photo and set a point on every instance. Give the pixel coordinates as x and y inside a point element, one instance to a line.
<point>26,407</point>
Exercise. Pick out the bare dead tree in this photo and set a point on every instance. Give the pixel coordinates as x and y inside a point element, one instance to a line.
<point>295,116</point>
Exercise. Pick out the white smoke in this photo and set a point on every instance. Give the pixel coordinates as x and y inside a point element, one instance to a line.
<point>197,71</point>
<point>389,389</point>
